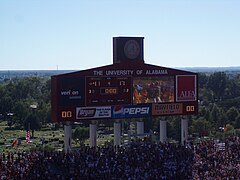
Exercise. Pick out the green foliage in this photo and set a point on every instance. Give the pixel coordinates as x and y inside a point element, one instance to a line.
<point>174,127</point>
<point>17,95</point>
<point>229,130</point>
<point>81,134</point>
<point>217,83</point>
<point>237,122</point>
<point>201,126</point>
<point>231,114</point>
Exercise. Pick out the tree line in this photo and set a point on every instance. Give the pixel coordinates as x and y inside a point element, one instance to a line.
<point>27,100</point>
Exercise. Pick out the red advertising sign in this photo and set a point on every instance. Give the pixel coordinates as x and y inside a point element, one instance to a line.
<point>186,88</point>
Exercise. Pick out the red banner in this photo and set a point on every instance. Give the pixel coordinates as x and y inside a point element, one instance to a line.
<point>186,88</point>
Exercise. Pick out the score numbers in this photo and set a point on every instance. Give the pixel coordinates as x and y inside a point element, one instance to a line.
<point>190,108</point>
<point>108,90</point>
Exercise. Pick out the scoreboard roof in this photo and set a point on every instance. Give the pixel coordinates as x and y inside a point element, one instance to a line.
<point>124,90</point>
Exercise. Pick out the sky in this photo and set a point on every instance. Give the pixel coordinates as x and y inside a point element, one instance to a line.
<point>77,34</point>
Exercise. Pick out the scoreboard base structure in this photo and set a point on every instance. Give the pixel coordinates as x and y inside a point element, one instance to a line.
<point>117,133</point>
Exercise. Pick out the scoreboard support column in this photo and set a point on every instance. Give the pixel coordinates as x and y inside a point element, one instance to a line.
<point>117,133</point>
<point>140,127</point>
<point>163,130</point>
<point>184,130</point>
<point>93,135</point>
<point>67,137</point>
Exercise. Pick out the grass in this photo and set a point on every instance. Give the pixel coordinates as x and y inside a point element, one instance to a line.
<point>53,139</point>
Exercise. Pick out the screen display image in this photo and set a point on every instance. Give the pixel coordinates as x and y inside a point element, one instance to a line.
<point>158,89</point>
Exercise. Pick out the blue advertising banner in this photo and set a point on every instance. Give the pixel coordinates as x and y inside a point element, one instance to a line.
<point>131,111</point>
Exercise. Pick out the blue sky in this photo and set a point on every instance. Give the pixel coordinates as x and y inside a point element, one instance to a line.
<point>77,34</point>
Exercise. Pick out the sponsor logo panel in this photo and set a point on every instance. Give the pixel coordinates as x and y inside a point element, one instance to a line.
<point>186,88</point>
<point>93,112</point>
<point>167,109</point>
<point>131,111</point>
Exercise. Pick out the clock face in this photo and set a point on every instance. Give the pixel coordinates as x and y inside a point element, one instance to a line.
<point>131,49</point>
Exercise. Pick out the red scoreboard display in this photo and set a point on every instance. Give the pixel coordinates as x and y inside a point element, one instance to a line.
<point>125,90</point>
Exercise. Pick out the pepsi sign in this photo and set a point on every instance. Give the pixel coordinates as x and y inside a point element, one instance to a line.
<point>131,111</point>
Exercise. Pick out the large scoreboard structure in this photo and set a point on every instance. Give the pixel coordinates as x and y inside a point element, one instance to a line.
<point>130,89</point>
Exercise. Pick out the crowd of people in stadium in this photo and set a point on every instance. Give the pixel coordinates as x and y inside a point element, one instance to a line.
<point>212,161</point>
<point>138,160</point>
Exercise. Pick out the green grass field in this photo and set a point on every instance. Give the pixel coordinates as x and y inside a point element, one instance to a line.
<point>53,139</point>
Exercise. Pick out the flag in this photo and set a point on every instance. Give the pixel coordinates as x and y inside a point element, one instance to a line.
<point>27,136</point>
<point>15,142</point>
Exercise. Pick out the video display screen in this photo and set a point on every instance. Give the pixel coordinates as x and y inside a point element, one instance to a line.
<point>158,89</point>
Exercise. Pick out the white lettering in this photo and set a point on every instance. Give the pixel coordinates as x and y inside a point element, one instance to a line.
<point>136,110</point>
<point>66,93</point>
<point>139,72</point>
<point>156,72</point>
<point>98,73</point>
<point>185,94</point>
<point>119,72</point>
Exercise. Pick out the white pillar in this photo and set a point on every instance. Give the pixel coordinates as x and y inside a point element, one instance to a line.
<point>184,131</point>
<point>93,135</point>
<point>67,137</point>
<point>163,131</point>
<point>140,127</point>
<point>117,134</point>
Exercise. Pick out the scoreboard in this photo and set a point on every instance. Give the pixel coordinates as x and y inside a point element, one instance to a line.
<point>123,91</point>
<point>108,90</point>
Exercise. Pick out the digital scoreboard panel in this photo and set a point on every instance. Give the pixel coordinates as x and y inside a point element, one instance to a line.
<point>124,93</point>
<point>101,91</point>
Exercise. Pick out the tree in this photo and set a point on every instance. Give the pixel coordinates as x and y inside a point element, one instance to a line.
<point>81,134</point>
<point>217,83</point>
<point>229,130</point>
<point>237,122</point>
<point>231,114</point>
<point>201,126</point>
<point>202,80</point>
<point>217,116</point>
<point>174,127</point>
<point>21,111</point>
<point>33,121</point>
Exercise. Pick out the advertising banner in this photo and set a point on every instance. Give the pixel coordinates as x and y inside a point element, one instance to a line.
<point>167,109</point>
<point>70,91</point>
<point>93,112</point>
<point>186,88</point>
<point>131,111</point>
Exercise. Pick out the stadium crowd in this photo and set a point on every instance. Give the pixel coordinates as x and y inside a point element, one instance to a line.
<point>138,160</point>
<point>212,161</point>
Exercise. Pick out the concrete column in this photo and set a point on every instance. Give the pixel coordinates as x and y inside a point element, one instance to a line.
<point>140,127</point>
<point>184,131</point>
<point>117,134</point>
<point>67,137</point>
<point>163,131</point>
<point>93,135</point>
